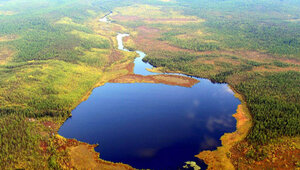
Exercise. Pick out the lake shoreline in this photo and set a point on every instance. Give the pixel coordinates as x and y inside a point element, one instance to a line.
<point>221,157</point>
<point>205,154</point>
<point>215,158</point>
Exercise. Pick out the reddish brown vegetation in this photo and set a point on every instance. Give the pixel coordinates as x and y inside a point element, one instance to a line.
<point>115,55</point>
<point>220,158</point>
<point>116,28</point>
<point>126,18</point>
<point>125,39</point>
<point>165,79</point>
<point>281,156</point>
<point>171,19</point>
<point>83,156</point>
<point>146,40</point>
<point>43,146</point>
<point>259,56</point>
<point>49,124</point>
<point>130,67</point>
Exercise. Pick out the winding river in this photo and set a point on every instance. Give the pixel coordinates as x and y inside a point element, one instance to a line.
<point>153,126</point>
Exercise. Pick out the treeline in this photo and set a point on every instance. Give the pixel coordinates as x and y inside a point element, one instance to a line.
<point>174,61</point>
<point>32,112</point>
<point>272,98</point>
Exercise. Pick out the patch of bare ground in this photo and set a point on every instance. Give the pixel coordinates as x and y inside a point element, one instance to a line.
<point>83,156</point>
<point>174,80</point>
<point>221,158</point>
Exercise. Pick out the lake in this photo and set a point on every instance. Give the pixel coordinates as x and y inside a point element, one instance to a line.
<point>154,126</point>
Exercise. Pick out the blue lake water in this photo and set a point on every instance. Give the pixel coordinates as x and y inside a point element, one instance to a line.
<point>153,126</point>
<point>140,66</point>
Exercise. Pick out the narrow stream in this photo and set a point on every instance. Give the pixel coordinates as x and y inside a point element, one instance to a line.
<point>153,126</point>
<point>139,65</point>
<point>105,19</point>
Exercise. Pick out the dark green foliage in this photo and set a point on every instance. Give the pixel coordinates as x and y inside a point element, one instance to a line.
<point>181,61</point>
<point>281,64</point>
<point>28,88</point>
<point>41,39</point>
<point>273,100</point>
<point>266,26</point>
<point>191,44</point>
<point>261,25</point>
<point>17,141</point>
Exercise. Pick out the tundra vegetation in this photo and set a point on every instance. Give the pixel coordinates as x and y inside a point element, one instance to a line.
<point>52,53</point>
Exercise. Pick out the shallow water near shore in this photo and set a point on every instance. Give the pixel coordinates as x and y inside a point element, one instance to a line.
<point>154,126</point>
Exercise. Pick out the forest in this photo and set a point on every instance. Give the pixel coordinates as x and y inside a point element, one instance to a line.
<point>253,46</point>
<point>51,57</point>
<point>273,96</point>
<point>50,65</point>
